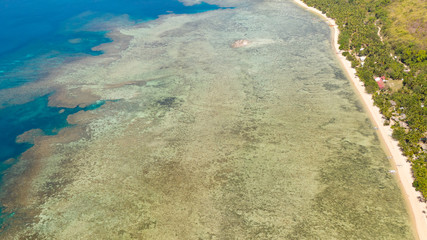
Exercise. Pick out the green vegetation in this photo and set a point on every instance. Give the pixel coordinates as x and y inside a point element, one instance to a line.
<point>392,35</point>
<point>408,22</point>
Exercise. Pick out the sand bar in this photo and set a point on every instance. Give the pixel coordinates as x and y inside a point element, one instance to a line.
<point>399,161</point>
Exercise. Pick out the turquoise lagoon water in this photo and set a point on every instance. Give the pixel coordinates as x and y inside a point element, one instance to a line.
<point>36,114</point>
<point>39,35</point>
<point>33,34</point>
<point>35,29</point>
<point>266,141</point>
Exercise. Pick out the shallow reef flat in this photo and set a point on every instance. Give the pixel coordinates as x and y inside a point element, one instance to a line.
<point>207,141</point>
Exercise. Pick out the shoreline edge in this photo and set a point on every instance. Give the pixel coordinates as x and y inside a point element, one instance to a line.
<point>417,208</point>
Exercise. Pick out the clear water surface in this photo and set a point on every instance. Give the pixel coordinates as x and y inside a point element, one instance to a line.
<point>39,35</point>
<point>34,32</point>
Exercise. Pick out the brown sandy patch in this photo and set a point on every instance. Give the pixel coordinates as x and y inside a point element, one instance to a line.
<point>71,98</point>
<point>21,193</point>
<point>29,136</point>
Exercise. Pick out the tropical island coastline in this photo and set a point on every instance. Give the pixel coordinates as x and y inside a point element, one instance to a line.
<point>399,161</point>
<point>188,147</point>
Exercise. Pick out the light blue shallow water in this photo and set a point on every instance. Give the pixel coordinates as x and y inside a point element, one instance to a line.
<point>35,38</point>
<point>266,141</point>
<point>42,28</point>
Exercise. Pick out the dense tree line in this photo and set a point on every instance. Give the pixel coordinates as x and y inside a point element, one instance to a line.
<point>360,22</point>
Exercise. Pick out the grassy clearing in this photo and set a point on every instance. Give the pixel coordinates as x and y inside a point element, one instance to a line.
<point>394,85</point>
<point>408,22</point>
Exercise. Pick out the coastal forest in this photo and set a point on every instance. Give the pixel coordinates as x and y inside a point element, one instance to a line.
<point>387,39</point>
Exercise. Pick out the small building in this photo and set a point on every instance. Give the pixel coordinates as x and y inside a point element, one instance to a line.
<point>362,58</point>
<point>380,82</point>
<point>404,125</point>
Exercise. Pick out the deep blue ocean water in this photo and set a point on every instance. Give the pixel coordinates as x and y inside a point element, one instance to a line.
<point>37,35</point>
<point>31,29</point>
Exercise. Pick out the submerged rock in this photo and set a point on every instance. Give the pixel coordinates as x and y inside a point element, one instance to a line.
<point>240,43</point>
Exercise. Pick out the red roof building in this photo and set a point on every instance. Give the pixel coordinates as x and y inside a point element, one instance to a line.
<point>380,82</point>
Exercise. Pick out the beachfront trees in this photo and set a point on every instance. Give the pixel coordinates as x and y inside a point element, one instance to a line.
<point>420,172</point>
<point>365,24</point>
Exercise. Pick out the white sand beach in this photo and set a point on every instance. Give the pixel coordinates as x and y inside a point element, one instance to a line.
<point>200,140</point>
<point>417,209</point>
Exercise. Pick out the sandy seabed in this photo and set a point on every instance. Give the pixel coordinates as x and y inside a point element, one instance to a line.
<point>400,163</point>
<point>206,141</point>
